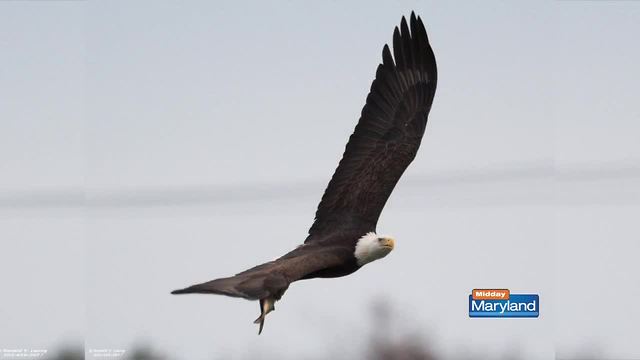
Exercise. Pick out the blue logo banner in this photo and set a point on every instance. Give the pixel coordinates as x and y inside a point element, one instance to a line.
<point>517,305</point>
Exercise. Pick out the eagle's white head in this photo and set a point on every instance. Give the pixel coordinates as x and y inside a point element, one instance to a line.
<point>372,247</point>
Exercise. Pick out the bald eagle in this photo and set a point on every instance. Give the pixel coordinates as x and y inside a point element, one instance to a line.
<point>386,139</point>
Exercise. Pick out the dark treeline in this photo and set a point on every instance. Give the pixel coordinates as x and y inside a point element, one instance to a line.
<point>407,344</point>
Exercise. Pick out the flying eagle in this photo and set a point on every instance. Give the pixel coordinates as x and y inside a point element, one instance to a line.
<point>343,236</point>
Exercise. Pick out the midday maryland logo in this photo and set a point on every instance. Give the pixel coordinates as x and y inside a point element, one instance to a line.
<point>498,303</point>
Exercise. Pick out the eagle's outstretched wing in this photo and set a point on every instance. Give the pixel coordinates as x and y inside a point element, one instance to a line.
<point>387,136</point>
<point>273,278</point>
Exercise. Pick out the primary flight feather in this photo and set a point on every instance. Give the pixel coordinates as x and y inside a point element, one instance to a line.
<point>386,139</point>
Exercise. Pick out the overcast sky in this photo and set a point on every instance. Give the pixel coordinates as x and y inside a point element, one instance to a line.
<point>203,135</point>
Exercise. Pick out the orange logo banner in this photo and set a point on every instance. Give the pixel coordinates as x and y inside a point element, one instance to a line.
<point>490,294</point>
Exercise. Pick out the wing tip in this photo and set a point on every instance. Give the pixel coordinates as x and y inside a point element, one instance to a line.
<point>411,45</point>
<point>180,291</point>
<point>387,58</point>
<point>404,27</point>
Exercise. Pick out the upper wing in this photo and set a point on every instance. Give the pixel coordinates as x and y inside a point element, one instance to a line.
<point>387,136</point>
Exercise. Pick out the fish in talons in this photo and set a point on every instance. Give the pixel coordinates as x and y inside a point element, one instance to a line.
<point>267,305</point>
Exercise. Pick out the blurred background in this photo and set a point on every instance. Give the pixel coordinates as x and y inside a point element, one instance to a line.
<point>146,146</point>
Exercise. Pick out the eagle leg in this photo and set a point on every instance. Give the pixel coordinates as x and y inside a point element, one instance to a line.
<point>267,305</point>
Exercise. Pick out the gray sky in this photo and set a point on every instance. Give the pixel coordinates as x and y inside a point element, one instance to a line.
<point>156,98</point>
